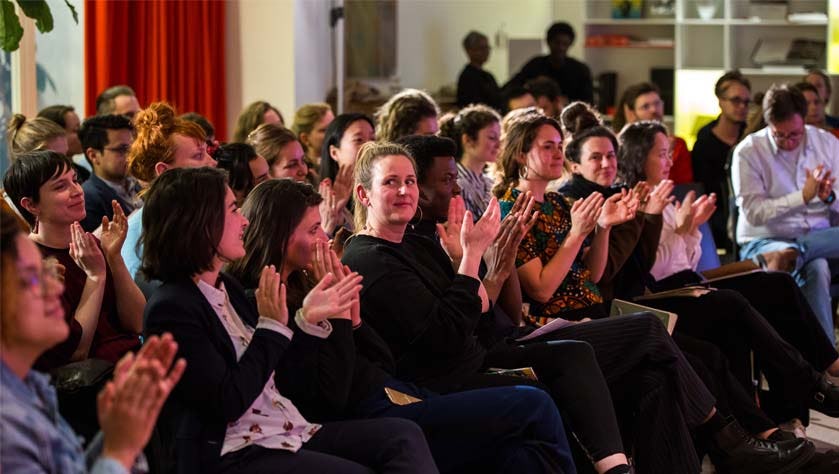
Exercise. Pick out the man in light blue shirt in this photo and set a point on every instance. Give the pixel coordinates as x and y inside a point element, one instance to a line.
<point>783,183</point>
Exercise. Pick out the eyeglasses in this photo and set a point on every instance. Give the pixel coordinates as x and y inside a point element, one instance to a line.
<point>738,102</point>
<point>791,136</point>
<point>38,280</point>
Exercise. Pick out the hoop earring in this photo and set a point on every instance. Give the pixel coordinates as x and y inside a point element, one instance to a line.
<point>413,224</point>
<point>523,172</point>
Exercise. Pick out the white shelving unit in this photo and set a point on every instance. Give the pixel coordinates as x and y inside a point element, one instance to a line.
<point>721,43</point>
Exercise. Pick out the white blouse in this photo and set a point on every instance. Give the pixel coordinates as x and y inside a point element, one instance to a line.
<point>675,252</point>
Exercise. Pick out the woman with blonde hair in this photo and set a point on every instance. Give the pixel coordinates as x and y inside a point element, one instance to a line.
<point>254,115</point>
<point>310,122</point>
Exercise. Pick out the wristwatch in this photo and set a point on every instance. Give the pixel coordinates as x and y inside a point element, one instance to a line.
<point>829,200</point>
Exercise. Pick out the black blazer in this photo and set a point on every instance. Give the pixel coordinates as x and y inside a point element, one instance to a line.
<point>97,202</point>
<point>216,388</point>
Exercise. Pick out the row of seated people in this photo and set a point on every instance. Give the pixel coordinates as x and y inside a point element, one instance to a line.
<point>336,342</point>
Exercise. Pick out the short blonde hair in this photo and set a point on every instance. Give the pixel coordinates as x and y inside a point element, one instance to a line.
<point>268,139</point>
<point>370,154</point>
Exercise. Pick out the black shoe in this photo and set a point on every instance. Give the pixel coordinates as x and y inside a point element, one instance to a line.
<point>735,451</point>
<point>781,435</point>
<point>826,398</point>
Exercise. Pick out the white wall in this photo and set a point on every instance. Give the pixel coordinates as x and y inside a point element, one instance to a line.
<point>430,33</point>
<point>313,59</point>
<point>260,56</point>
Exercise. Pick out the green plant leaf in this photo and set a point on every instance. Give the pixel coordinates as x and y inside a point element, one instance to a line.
<point>72,11</point>
<point>39,11</point>
<point>10,30</point>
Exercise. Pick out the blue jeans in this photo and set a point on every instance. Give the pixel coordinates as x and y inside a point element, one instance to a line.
<point>818,263</point>
<point>499,429</point>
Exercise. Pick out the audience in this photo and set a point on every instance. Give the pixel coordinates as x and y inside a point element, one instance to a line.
<point>254,115</point>
<point>572,76</point>
<point>230,415</point>
<point>25,135</point>
<point>408,112</point>
<point>102,305</point>
<point>714,142</point>
<point>310,122</point>
<point>476,132</point>
<point>558,275</point>
<point>106,140</point>
<point>529,436</point>
<point>643,102</point>
<point>783,183</point>
<point>162,142</point>
<point>822,83</point>
<point>475,85</point>
<point>35,436</point>
<point>245,168</point>
<point>118,100</point>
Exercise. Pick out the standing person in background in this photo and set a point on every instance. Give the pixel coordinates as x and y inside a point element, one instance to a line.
<point>310,122</point>
<point>475,85</point>
<point>643,102</point>
<point>573,76</point>
<point>714,143</point>
<point>254,115</point>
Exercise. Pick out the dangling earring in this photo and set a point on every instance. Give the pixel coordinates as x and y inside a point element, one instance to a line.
<point>523,172</point>
<point>412,224</point>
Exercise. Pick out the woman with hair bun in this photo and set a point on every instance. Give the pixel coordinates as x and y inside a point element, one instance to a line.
<point>163,142</point>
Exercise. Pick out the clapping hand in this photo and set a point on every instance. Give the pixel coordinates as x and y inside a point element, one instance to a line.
<point>331,211</point>
<point>271,296</point>
<point>450,231</point>
<point>584,214</point>
<point>692,212</point>
<point>658,198</point>
<point>86,254</point>
<point>619,208</point>
<point>475,238</point>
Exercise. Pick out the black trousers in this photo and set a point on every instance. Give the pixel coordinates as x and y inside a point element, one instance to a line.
<point>383,445</point>
<point>725,318</point>
<point>780,301</point>
<point>658,398</point>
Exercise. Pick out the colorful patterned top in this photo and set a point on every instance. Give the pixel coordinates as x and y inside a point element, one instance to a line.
<point>577,291</point>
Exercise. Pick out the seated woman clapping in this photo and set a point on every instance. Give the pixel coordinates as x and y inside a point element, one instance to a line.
<point>229,414</point>
<point>35,437</point>
<point>348,372</point>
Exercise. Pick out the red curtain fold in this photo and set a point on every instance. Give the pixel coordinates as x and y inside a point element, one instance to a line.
<point>164,49</point>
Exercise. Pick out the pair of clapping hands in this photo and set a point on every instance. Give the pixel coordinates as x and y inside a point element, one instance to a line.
<point>596,211</point>
<point>129,404</point>
<point>691,212</point>
<point>336,294</point>
<point>490,238</point>
<point>335,197</point>
<point>819,183</point>
<point>87,255</point>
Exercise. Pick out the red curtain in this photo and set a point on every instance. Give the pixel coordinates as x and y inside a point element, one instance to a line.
<point>165,49</point>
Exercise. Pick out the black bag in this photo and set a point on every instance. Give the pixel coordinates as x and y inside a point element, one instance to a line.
<point>77,385</point>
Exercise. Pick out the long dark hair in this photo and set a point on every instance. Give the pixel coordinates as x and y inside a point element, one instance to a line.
<point>183,221</point>
<point>332,137</point>
<point>636,139</point>
<point>274,209</point>
<point>236,158</point>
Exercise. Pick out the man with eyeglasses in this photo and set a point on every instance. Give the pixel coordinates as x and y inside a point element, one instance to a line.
<point>714,143</point>
<point>784,186</point>
<point>105,140</point>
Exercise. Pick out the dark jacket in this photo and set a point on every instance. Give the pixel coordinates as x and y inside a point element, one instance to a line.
<point>97,202</point>
<point>216,388</point>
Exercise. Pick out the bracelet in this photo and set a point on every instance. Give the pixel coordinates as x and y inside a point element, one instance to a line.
<point>829,200</point>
